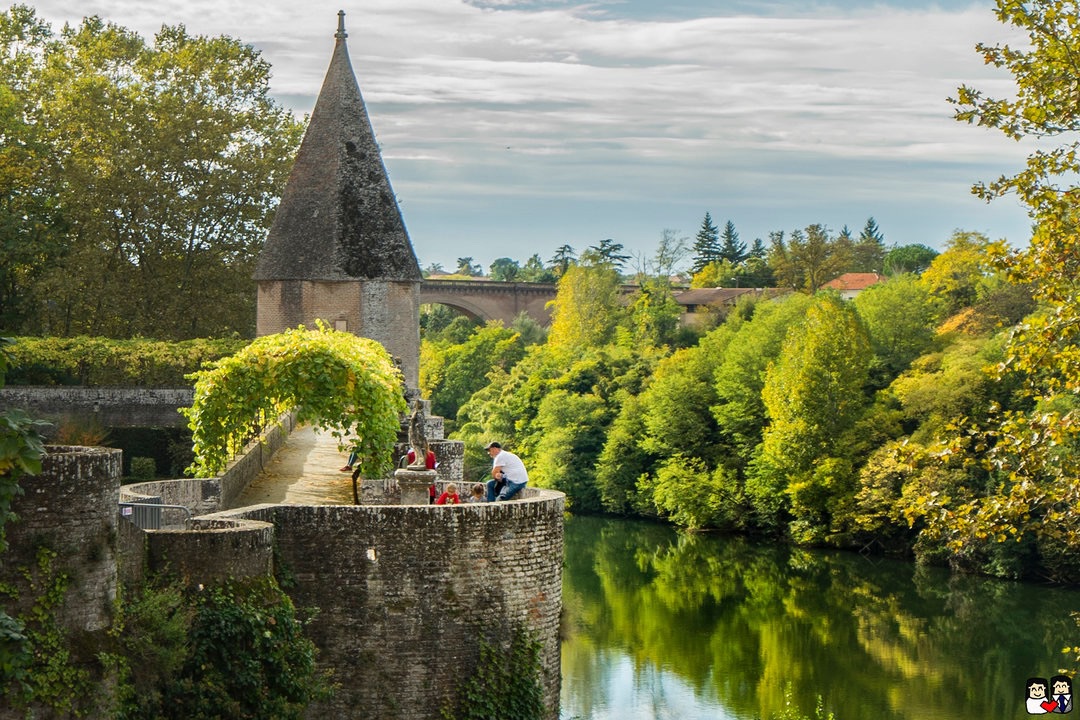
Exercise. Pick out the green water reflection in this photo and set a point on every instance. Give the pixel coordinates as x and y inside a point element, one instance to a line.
<point>663,625</point>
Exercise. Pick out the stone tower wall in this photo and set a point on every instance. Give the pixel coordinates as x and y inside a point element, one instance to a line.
<point>405,594</point>
<point>70,508</point>
<point>382,310</point>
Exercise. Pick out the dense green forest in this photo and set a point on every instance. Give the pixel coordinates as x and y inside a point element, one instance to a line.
<point>863,423</point>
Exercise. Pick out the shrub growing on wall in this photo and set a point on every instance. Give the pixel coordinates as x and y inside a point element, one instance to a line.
<point>236,650</point>
<point>506,684</point>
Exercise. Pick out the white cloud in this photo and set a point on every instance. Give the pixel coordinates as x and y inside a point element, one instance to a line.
<point>758,119</point>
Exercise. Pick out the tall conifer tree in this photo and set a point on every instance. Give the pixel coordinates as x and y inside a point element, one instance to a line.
<point>706,244</point>
<point>731,248</point>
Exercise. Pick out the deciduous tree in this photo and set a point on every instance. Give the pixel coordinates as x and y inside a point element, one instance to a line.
<point>1033,453</point>
<point>455,371</point>
<point>964,273</point>
<point>908,259</point>
<point>167,161</point>
<point>504,269</point>
<point>586,308</point>
<point>901,320</point>
<point>534,271</point>
<point>468,267</point>
<point>813,395</point>
<point>31,224</point>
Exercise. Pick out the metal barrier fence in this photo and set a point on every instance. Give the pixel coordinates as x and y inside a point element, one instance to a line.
<point>147,513</point>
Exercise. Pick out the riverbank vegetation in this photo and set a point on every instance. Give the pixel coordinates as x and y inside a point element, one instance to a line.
<point>933,415</point>
<point>806,417</point>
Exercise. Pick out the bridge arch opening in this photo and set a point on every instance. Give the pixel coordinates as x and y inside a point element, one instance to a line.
<point>437,317</point>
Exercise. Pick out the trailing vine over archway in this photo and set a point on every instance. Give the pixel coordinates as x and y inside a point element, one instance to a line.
<point>335,381</point>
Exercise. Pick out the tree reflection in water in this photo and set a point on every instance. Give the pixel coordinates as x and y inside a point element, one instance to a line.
<point>667,625</point>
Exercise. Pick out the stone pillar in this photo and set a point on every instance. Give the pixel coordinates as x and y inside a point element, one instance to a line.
<point>414,485</point>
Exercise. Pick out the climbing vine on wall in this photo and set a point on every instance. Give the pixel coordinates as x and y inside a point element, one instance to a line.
<point>57,673</point>
<point>506,684</point>
<point>21,449</point>
<point>335,381</point>
<point>21,446</point>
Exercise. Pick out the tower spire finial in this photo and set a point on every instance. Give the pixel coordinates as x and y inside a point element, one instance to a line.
<point>340,34</point>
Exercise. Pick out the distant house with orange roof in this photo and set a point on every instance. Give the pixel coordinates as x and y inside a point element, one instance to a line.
<point>851,284</point>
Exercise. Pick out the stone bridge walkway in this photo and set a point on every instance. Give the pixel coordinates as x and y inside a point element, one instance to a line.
<point>305,471</point>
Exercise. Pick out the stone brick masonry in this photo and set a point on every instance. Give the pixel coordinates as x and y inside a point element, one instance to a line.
<point>404,594</point>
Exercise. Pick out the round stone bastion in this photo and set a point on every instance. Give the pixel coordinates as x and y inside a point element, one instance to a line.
<point>67,526</point>
<point>404,596</point>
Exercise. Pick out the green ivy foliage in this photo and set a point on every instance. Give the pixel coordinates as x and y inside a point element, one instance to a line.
<point>21,445</point>
<point>42,666</point>
<point>335,380</point>
<point>506,684</point>
<point>102,361</point>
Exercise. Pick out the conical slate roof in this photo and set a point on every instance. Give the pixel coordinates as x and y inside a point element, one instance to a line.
<point>338,218</point>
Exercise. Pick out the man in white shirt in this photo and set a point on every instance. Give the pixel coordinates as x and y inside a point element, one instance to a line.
<point>507,468</point>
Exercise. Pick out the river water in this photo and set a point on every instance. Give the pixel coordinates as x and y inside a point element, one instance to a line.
<point>663,625</point>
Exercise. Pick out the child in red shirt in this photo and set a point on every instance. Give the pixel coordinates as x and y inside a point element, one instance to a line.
<point>449,496</point>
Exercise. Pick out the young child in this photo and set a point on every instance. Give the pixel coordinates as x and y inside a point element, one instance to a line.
<point>477,493</point>
<point>449,496</point>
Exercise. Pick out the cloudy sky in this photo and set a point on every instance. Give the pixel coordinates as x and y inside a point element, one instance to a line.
<point>512,127</point>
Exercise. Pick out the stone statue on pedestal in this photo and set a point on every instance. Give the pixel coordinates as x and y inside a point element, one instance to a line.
<point>418,437</point>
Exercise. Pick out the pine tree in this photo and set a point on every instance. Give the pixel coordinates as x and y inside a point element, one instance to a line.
<point>706,244</point>
<point>731,249</point>
<point>756,270</point>
<point>607,252</point>
<point>868,254</point>
<point>563,258</point>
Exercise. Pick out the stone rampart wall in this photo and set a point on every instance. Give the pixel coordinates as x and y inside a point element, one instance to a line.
<point>208,495</point>
<point>258,453</point>
<point>111,406</point>
<point>405,594</point>
<point>213,550</point>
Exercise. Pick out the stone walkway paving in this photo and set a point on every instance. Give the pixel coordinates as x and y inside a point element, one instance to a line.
<point>305,471</point>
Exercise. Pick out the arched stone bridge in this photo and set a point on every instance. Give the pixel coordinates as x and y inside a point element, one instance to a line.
<point>486,300</point>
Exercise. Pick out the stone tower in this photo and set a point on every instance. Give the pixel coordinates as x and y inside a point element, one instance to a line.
<point>338,250</point>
